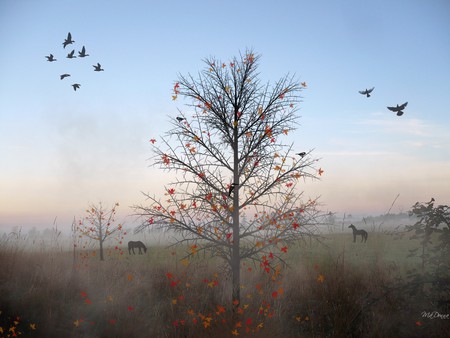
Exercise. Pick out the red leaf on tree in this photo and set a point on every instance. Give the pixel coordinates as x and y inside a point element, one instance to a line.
<point>171,191</point>
<point>284,249</point>
<point>209,196</point>
<point>152,141</point>
<point>166,159</point>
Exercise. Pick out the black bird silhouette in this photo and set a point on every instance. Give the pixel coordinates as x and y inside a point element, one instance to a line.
<point>82,54</point>
<point>398,109</point>
<point>180,119</point>
<point>71,54</point>
<point>64,76</point>
<point>98,68</point>
<point>302,154</point>
<point>230,190</point>
<point>50,58</point>
<point>367,91</point>
<point>68,41</point>
<point>76,86</point>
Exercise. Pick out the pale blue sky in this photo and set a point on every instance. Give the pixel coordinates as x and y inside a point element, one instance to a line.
<point>62,149</point>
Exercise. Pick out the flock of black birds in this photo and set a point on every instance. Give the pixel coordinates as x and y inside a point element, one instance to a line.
<point>71,55</point>
<point>397,109</point>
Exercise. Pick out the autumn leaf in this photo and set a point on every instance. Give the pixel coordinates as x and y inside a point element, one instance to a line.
<point>152,141</point>
<point>130,277</point>
<point>284,249</point>
<point>165,159</point>
<point>130,308</point>
<point>320,278</point>
<point>304,85</point>
<point>321,172</point>
<point>220,309</point>
<point>275,294</point>
<point>33,326</point>
<point>174,97</point>
<point>171,191</point>
<point>235,332</point>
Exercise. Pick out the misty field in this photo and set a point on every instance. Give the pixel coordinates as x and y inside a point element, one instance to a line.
<point>329,288</point>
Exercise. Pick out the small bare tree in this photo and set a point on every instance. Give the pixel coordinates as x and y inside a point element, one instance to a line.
<point>235,194</point>
<point>98,224</point>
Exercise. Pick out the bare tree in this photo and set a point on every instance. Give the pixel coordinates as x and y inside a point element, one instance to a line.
<point>235,194</point>
<point>98,224</point>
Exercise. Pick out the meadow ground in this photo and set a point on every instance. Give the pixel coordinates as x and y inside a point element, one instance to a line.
<point>332,288</point>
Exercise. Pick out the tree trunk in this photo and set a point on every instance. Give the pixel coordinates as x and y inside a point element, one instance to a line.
<point>101,250</point>
<point>236,259</point>
<point>101,239</point>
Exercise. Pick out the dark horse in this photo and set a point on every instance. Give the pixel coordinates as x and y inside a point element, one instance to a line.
<point>139,245</point>
<point>357,232</point>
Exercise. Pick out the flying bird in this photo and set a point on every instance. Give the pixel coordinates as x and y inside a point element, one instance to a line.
<point>76,86</point>
<point>98,68</point>
<point>62,76</point>
<point>71,54</point>
<point>398,109</point>
<point>230,190</point>
<point>68,41</point>
<point>302,154</point>
<point>50,58</point>
<point>180,119</point>
<point>82,54</point>
<point>367,91</point>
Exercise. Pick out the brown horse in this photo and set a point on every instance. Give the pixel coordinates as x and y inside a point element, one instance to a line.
<point>138,244</point>
<point>357,232</point>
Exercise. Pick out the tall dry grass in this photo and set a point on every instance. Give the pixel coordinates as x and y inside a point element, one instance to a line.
<point>334,289</point>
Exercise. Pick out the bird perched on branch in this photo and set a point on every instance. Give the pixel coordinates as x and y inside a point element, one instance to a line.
<point>71,54</point>
<point>82,54</point>
<point>50,58</point>
<point>398,109</point>
<point>98,68</point>
<point>230,190</point>
<point>302,154</point>
<point>179,119</point>
<point>68,41</point>
<point>64,76</point>
<point>76,86</point>
<point>367,91</point>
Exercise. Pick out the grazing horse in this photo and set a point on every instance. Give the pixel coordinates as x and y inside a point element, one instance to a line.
<point>139,245</point>
<point>357,232</point>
